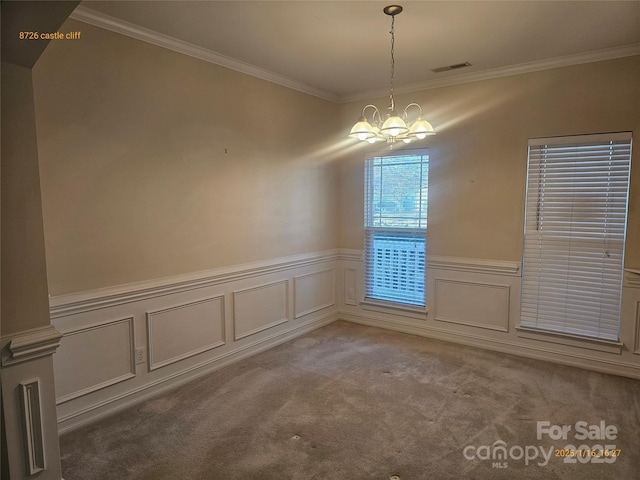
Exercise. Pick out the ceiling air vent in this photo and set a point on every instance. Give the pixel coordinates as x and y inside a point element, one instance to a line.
<point>451,67</point>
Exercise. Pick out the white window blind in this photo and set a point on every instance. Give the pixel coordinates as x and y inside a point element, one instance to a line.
<point>575,223</point>
<point>396,189</point>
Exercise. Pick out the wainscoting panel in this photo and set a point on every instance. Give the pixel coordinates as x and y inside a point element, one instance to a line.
<point>179,332</point>
<point>313,291</point>
<point>32,425</point>
<point>259,308</point>
<point>99,355</point>
<point>350,288</point>
<point>189,325</point>
<point>476,302</point>
<point>473,304</point>
<point>29,405</point>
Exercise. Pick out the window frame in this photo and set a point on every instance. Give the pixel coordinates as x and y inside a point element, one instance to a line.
<point>382,302</point>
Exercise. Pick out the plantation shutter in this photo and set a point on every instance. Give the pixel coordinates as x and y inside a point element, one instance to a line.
<point>395,228</point>
<point>575,223</point>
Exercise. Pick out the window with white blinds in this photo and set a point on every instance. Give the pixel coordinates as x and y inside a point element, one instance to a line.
<point>575,224</point>
<point>396,188</point>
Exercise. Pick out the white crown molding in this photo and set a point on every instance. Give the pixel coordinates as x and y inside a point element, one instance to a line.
<point>30,344</point>
<point>97,19</point>
<point>92,17</point>
<point>529,67</point>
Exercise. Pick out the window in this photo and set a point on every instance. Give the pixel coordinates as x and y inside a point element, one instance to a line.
<point>395,227</point>
<point>575,222</point>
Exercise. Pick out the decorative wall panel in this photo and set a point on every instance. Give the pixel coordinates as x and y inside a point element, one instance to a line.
<point>98,355</point>
<point>350,289</point>
<point>259,308</point>
<point>313,292</point>
<point>32,425</point>
<point>179,332</point>
<point>474,304</point>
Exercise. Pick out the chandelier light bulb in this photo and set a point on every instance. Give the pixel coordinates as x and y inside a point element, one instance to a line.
<point>362,129</point>
<point>394,125</point>
<point>421,128</point>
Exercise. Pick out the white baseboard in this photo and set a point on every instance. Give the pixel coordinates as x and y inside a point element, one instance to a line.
<point>476,302</point>
<point>539,353</point>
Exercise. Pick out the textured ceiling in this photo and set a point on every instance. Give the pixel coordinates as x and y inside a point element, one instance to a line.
<point>343,48</point>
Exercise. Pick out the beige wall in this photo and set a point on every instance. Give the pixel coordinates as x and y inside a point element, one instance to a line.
<point>478,158</point>
<point>154,164</point>
<point>24,278</point>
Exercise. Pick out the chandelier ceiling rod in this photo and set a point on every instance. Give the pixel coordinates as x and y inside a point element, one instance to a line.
<point>392,10</point>
<point>394,127</point>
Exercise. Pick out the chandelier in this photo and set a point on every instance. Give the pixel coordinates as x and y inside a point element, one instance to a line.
<point>395,128</point>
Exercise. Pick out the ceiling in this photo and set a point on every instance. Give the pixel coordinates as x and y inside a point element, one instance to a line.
<point>341,50</point>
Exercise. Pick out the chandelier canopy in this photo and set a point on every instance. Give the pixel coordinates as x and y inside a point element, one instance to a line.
<point>395,127</point>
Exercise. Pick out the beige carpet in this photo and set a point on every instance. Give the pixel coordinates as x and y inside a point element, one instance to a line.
<point>354,402</point>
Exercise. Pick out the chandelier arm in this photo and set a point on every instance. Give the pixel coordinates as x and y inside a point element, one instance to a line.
<point>374,113</point>
<point>412,105</point>
<point>373,117</point>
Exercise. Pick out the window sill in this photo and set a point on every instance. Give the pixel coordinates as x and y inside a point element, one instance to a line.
<point>566,339</point>
<point>401,309</point>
